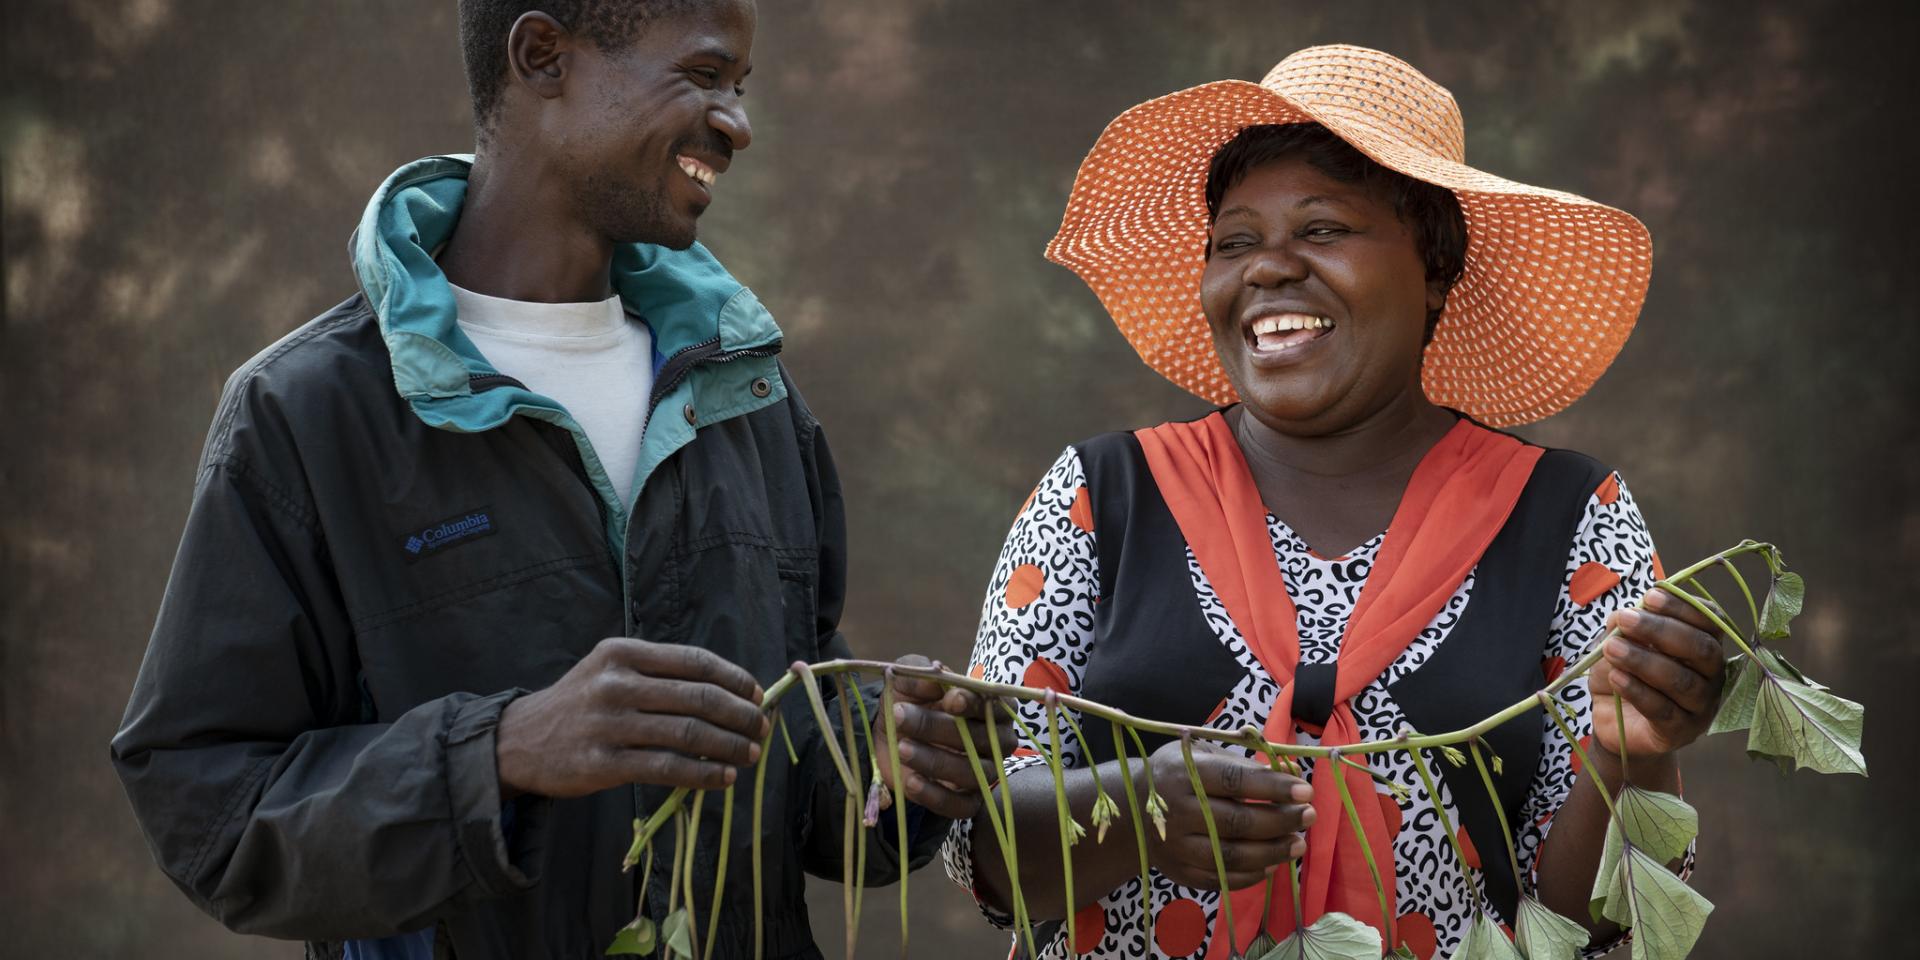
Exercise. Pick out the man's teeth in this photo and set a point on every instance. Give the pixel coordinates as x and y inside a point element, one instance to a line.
<point>697,170</point>
<point>1290,321</point>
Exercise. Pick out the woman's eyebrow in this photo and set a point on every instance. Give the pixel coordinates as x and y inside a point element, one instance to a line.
<point>1320,198</point>
<point>1238,209</point>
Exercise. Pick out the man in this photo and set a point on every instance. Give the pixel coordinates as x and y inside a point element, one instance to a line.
<point>548,418</point>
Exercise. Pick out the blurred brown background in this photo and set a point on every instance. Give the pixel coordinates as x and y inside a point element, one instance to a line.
<point>181,177</point>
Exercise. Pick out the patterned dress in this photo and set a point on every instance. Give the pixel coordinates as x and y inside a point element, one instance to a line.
<point>1036,629</point>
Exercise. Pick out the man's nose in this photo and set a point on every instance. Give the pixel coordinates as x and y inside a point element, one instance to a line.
<point>732,123</point>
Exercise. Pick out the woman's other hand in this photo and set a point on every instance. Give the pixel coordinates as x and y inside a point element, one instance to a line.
<point>1668,669</point>
<point>1258,812</point>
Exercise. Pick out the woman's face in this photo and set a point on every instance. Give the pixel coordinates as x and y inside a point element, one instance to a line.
<point>1317,298</point>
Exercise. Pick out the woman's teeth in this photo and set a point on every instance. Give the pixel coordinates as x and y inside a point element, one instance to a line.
<point>1287,330</point>
<point>1290,321</point>
<point>697,170</point>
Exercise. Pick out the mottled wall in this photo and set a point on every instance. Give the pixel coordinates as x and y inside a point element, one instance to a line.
<point>180,179</point>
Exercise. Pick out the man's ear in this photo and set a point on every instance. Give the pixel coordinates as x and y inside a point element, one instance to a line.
<point>539,53</point>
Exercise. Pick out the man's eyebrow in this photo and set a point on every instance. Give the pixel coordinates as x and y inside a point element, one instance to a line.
<point>719,53</point>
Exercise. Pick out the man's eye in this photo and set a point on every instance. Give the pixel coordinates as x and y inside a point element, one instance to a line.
<point>707,76</point>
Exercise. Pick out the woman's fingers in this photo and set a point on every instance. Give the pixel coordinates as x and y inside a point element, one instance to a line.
<point>1246,861</point>
<point>1224,774</point>
<point>1658,673</point>
<point>1675,628</point>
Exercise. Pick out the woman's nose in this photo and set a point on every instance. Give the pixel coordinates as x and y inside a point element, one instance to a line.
<point>1274,265</point>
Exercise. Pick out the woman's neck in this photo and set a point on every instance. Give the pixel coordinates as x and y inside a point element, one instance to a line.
<point>1338,490</point>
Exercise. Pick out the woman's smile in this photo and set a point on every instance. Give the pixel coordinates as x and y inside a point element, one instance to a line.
<point>1276,338</point>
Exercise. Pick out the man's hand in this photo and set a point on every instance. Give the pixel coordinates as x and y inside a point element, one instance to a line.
<point>1254,836</point>
<point>1668,670</point>
<point>632,712</point>
<point>937,775</point>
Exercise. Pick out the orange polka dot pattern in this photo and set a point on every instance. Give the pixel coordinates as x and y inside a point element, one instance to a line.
<point>1553,282</point>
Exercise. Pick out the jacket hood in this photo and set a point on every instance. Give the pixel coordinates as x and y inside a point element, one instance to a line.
<point>685,296</point>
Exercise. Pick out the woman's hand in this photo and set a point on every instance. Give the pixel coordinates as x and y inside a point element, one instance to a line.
<point>1254,836</point>
<point>1669,671</point>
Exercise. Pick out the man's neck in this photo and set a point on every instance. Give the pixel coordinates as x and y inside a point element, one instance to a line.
<point>518,239</point>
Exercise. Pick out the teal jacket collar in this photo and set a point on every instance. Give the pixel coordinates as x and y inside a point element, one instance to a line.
<point>696,310</point>
<point>685,296</point>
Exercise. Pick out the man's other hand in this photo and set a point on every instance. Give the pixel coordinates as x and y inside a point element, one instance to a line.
<point>632,712</point>
<point>937,775</point>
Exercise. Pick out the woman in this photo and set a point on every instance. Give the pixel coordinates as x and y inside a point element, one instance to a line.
<point>1342,552</point>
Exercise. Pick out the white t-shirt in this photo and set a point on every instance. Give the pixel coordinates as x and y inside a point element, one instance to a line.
<point>590,357</point>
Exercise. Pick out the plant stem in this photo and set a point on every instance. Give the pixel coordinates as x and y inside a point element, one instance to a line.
<point>1213,839</point>
<point>855,826</point>
<point>1620,721</point>
<point>1696,603</point>
<point>1011,851</point>
<point>1360,833</point>
<point>1060,808</point>
<point>811,687</point>
<point>759,801</point>
<point>693,843</point>
<point>900,801</point>
<point>720,866</point>
<point>1506,830</point>
<point>1553,708</point>
<point>1753,609</point>
<point>1139,827</point>
<point>1453,838</point>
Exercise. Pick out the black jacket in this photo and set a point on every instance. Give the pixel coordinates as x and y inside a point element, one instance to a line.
<point>358,594</point>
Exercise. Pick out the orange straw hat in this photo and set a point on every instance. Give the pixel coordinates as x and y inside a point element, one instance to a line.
<point>1552,285</point>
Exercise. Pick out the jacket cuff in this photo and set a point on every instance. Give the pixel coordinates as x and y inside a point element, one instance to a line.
<point>473,787</point>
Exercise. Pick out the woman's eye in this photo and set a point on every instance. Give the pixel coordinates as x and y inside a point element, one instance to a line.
<point>1231,243</point>
<point>1322,232</point>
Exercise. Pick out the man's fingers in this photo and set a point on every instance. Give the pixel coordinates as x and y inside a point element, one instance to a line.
<point>935,763</point>
<point>716,705</point>
<point>671,769</point>
<point>682,663</point>
<point>689,736</point>
<point>940,799</point>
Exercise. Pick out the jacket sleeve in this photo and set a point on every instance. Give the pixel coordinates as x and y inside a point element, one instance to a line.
<point>261,791</point>
<point>822,850</point>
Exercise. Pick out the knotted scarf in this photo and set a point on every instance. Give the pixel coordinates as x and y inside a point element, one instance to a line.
<point>1459,497</point>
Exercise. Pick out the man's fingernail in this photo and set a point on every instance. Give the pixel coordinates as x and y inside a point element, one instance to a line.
<point>906,751</point>
<point>899,711</point>
<point>753,753</point>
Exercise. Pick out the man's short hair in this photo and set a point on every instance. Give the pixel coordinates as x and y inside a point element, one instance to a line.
<point>484,24</point>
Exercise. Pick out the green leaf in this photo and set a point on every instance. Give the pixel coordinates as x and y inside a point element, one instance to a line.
<point>1659,823</point>
<point>1542,934</point>
<point>1335,936</point>
<point>1666,915</point>
<point>1403,952</point>
<point>1486,941</point>
<point>1782,605</point>
<point>1743,691</point>
<point>1261,945</point>
<point>634,938</point>
<point>1805,722</point>
<point>678,934</point>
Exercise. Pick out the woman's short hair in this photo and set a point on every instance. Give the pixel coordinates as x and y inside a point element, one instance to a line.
<point>1433,213</point>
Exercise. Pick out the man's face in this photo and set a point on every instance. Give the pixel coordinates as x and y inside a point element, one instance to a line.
<point>644,131</point>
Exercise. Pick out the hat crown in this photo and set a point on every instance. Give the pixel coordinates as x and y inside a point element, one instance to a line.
<point>1355,90</point>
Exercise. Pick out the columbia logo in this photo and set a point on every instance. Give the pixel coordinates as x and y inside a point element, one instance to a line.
<point>447,533</point>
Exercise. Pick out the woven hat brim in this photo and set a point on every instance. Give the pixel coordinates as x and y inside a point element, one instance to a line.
<point>1552,286</point>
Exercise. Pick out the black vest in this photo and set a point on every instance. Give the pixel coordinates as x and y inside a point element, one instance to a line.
<point>1155,657</point>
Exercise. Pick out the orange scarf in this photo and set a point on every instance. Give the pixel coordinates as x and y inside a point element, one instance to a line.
<point>1459,498</point>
